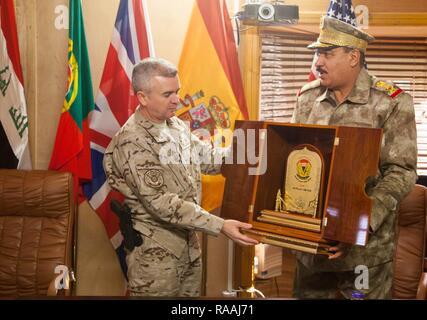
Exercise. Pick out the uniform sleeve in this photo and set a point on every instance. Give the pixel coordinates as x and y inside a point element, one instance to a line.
<point>304,102</point>
<point>211,159</point>
<point>112,172</point>
<point>295,114</point>
<point>146,179</point>
<point>398,161</point>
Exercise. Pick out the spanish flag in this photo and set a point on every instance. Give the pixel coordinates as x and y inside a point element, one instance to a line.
<point>71,150</point>
<point>211,83</point>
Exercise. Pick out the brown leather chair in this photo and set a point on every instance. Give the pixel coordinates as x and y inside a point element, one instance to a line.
<point>37,214</point>
<point>410,278</point>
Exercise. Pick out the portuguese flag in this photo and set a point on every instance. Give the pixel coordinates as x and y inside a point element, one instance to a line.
<point>71,150</point>
<point>211,83</point>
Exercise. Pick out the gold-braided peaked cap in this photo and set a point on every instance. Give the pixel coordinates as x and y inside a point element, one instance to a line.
<point>334,32</point>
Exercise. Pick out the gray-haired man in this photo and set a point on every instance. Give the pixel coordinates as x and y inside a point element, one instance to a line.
<point>148,162</point>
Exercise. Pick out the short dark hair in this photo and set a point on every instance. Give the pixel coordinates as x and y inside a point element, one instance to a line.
<point>149,68</point>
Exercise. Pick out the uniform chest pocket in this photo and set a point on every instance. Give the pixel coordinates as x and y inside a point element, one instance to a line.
<point>185,150</point>
<point>360,124</point>
<point>354,116</point>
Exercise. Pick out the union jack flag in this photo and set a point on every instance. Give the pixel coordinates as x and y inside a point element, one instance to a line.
<point>341,10</point>
<point>115,102</point>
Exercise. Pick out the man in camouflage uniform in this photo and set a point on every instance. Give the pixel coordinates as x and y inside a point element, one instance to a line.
<point>346,95</point>
<point>156,163</point>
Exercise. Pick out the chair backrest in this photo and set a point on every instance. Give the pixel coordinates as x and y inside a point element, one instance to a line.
<point>37,213</point>
<point>411,244</point>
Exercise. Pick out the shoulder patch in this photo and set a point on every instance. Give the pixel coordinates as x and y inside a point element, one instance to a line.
<point>154,178</point>
<point>389,88</point>
<point>309,86</point>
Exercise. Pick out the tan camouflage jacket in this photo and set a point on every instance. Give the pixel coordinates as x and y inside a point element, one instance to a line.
<point>373,104</point>
<point>157,168</point>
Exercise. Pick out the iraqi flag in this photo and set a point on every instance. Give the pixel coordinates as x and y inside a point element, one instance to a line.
<point>14,147</point>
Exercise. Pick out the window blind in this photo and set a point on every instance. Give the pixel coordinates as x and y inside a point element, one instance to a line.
<point>286,62</point>
<point>285,66</point>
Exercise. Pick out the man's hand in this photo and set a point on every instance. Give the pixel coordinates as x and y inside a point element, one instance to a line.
<point>231,230</point>
<point>338,251</point>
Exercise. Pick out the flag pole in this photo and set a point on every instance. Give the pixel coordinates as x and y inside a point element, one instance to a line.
<point>148,27</point>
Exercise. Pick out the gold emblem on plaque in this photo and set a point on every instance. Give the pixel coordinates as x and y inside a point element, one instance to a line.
<point>302,183</point>
<point>298,202</point>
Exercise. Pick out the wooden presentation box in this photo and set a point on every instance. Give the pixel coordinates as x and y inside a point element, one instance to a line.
<point>349,157</point>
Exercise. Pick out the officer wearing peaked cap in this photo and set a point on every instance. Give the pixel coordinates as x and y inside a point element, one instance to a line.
<point>334,32</point>
<point>346,95</point>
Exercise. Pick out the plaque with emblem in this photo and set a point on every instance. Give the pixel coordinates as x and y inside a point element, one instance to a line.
<point>312,192</point>
<point>302,183</point>
<point>299,198</point>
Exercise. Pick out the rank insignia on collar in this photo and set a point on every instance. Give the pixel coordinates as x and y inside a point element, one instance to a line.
<point>388,88</point>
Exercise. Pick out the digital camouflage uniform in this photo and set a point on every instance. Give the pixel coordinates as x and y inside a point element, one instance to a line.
<point>150,165</point>
<point>373,104</point>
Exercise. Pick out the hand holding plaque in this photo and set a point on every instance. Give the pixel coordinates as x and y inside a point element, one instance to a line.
<point>313,191</point>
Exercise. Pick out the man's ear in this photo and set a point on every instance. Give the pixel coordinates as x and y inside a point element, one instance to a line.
<point>142,98</point>
<point>354,57</point>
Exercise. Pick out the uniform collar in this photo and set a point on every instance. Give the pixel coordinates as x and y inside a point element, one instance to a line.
<point>325,95</point>
<point>360,92</point>
<point>150,127</point>
<point>362,88</point>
